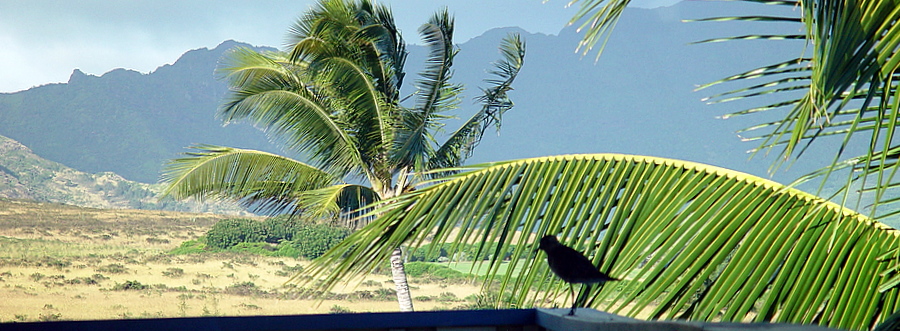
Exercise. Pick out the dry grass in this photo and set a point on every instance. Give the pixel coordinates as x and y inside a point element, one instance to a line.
<point>72,263</point>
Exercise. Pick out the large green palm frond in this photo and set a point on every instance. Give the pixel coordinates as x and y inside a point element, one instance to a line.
<point>847,86</point>
<point>262,181</point>
<point>495,102</point>
<point>688,240</point>
<point>279,98</point>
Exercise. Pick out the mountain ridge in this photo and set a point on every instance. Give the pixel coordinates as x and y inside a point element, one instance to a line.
<point>637,99</point>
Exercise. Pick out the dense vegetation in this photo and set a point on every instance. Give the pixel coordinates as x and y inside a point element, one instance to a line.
<point>447,252</point>
<point>277,236</point>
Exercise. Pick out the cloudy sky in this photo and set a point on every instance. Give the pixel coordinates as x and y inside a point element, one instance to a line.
<point>44,40</point>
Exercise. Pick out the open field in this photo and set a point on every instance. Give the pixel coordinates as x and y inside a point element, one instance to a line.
<point>61,262</point>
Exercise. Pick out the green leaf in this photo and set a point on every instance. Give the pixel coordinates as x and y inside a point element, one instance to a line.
<point>688,240</point>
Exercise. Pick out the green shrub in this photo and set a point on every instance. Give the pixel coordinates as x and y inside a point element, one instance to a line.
<point>192,247</point>
<point>471,252</point>
<point>466,252</point>
<point>173,272</point>
<point>281,228</point>
<point>483,300</point>
<point>339,310</point>
<point>157,241</point>
<point>294,237</point>
<point>287,271</point>
<point>286,249</point>
<point>431,270</point>
<point>230,232</point>
<point>244,289</point>
<point>113,268</point>
<point>258,248</point>
<point>421,254</point>
<point>130,285</point>
<point>447,297</point>
<point>312,240</point>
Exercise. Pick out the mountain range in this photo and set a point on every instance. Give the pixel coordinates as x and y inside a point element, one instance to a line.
<point>637,98</point>
<point>26,176</point>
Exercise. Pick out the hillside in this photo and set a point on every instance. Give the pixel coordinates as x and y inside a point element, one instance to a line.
<point>126,122</point>
<point>26,176</point>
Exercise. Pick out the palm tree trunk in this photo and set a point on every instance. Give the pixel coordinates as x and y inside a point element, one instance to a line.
<point>399,275</point>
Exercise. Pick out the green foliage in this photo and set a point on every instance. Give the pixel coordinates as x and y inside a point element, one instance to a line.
<point>466,252</point>
<point>433,271</point>
<point>281,228</point>
<point>428,253</point>
<point>287,271</point>
<point>130,285</point>
<point>230,232</point>
<point>113,268</point>
<point>658,225</point>
<point>192,247</point>
<point>253,237</point>
<point>484,300</point>
<point>244,289</point>
<point>313,240</point>
<point>173,272</point>
<point>258,248</point>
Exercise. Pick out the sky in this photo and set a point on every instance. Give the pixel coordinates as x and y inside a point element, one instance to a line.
<point>43,41</point>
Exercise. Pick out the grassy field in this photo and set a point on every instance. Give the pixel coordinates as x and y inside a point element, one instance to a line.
<point>60,262</point>
<point>479,269</point>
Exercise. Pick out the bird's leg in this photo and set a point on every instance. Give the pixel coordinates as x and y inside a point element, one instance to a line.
<point>574,300</point>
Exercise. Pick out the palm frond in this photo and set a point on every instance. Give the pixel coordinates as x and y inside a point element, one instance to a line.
<point>599,19</point>
<point>435,95</point>
<point>495,102</point>
<point>689,240</point>
<point>264,182</point>
<point>341,202</point>
<point>848,85</point>
<point>356,55</point>
<point>269,92</point>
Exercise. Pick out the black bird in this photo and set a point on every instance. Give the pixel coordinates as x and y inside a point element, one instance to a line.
<point>571,266</point>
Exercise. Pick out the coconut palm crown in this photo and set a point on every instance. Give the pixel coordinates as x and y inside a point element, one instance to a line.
<point>333,97</point>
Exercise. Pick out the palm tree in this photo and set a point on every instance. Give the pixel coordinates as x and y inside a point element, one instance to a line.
<point>334,97</point>
<point>688,241</point>
<point>846,77</point>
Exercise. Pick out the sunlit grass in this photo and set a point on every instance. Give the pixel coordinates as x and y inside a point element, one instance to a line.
<point>480,269</point>
<point>17,248</point>
<point>61,262</point>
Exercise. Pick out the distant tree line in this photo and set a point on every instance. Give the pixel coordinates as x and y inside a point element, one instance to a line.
<point>466,252</point>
